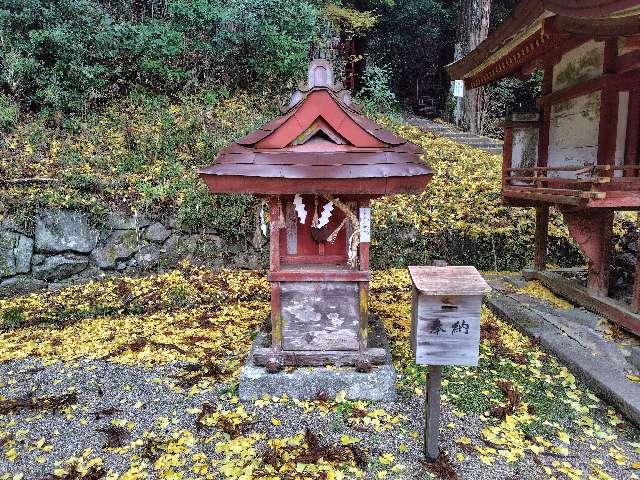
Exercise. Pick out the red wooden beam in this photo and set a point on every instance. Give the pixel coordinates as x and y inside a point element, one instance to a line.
<point>628,61</point>
<point>592,230</point>
<point>350,186</point>
<point>311,275</point>
<point>314,259</point>
<point>615,81</point>
<point>319,104</point>
<point>541,237</point>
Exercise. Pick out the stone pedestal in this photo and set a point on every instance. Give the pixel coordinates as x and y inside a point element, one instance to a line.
<point>321,382</point>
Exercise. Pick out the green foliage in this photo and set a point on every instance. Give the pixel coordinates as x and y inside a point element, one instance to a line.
<point>415,39</point>
<point>69,55</point>
<point>350,20</point>
<point>11,319</point>
<point>507,96</point>
<point>56,54</point>
<point>8,113</point>
<point>376,95</point>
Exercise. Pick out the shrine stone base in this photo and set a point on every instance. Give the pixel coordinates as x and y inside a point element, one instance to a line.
<point>309,383</point>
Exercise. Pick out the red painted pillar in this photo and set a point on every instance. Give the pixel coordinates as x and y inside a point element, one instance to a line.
<point>598,280</point>
<point>275,224</point>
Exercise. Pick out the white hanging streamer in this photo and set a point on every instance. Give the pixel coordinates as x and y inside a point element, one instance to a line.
<point>263,223</point>
<point>300,210</point>
<point>325,215</point>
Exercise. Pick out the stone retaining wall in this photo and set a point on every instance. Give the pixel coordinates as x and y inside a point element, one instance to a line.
<point>65,246</point>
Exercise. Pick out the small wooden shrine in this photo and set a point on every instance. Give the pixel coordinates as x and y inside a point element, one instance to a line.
<point>318,166</point>
<point>579,152</point>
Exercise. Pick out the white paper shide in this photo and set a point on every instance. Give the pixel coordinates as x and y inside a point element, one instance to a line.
<point>365,224</point>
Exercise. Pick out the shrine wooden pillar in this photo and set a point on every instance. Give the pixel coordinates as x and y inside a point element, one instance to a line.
<point>276,223</point>
<point>541,237</point>
<point>599,267</point>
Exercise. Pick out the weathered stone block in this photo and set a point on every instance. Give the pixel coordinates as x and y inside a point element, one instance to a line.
<point>320,315</point>
<point>635,357</point>
<point>20,285</point>
<point>15,253</point>
<point>148,256</point>
<point>121,245</point>
<point>23,252</point>
<point>156,232</point>
<point>308,382</point>
<point>7,257</point>
<point>59,267</point>
<point>64,230</point>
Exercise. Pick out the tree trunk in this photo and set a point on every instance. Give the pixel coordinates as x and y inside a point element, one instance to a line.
<point>472,29</point>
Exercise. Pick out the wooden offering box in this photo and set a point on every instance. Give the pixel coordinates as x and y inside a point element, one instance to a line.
<point>445,323</point>
<point>317,167</point>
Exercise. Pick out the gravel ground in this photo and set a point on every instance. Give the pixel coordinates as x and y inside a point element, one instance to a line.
<point>143,400</point>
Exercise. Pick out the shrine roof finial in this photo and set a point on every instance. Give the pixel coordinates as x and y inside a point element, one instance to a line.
<point>320,76</point>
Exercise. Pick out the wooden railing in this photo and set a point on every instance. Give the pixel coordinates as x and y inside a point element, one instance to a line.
<point>586,185</point>
<point>585,177</point>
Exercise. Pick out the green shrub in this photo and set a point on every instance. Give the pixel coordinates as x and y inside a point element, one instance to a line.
<point>69,55</point>
<point>8,113</point>
<point>376,95</point>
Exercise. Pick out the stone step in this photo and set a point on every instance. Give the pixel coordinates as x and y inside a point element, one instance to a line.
<point>465,138</point>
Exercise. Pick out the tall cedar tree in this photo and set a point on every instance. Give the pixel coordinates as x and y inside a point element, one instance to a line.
<point>473,28</point>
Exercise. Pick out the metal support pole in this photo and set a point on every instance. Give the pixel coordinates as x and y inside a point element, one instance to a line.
<point>432,413</point>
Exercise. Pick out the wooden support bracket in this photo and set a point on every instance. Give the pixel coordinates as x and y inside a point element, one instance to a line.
<point>592,230</point>
<point>541,237</point>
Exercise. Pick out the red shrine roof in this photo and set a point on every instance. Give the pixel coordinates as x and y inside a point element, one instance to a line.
<point>538,28</point>
<point>320,145</point>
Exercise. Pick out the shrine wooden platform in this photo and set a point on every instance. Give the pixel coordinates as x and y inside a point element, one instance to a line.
<point>619,312</point>
<point>575,336</point>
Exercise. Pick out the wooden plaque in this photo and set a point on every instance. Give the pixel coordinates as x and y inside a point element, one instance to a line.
<point>319,316</point>
<point>447,330</point>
